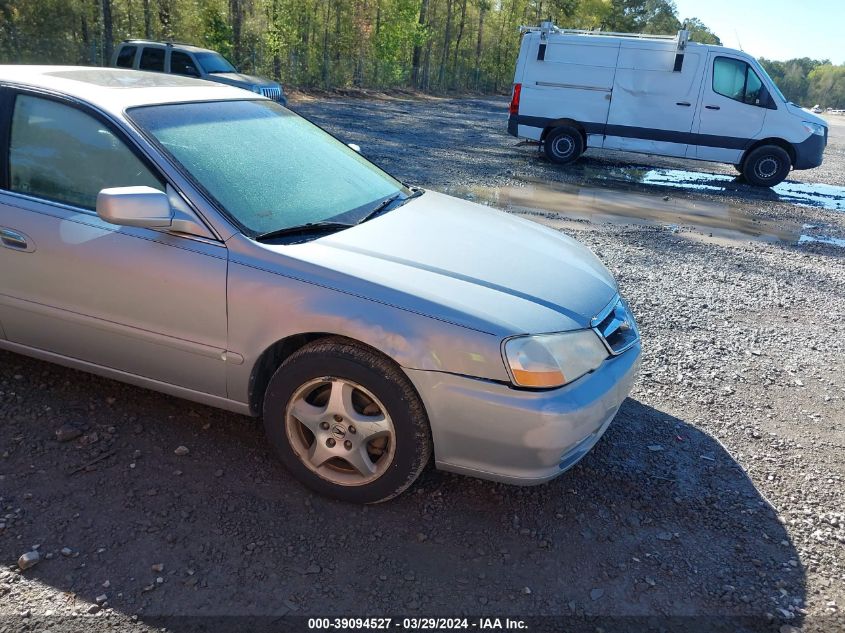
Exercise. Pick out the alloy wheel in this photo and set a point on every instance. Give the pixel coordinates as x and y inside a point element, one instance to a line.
<point>340,431</point>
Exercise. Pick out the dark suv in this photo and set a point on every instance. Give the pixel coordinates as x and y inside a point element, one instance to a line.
<point>183,59</point>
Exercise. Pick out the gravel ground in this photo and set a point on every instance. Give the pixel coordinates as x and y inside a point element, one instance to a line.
<point>716,494</point>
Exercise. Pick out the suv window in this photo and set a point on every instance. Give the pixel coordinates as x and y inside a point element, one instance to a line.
<point>152,59</point>
<point>736,80</point>
<point>59,153</point>
<point>182,64</point>
<point>126,56</point>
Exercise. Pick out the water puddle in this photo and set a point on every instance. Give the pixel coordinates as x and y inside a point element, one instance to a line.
<point>559,203</point>
<point>806,236</point>
<point>799,193</point>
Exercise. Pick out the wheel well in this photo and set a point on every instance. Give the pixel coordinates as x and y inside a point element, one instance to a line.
<point>558,122</point>
<point>270,360</point>
<point>273,357</point>
<point>786,145</point>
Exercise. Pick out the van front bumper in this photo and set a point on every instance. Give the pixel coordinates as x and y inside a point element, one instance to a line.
<point>492,431</point>
<point>809,152</point>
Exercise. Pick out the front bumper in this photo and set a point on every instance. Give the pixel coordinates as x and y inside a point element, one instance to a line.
<point>809,152</point>
<point>489,430</point>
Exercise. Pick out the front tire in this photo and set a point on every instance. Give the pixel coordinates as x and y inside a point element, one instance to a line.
<point>766,166</point>
<point>563,144</point>
<point>347,422</point>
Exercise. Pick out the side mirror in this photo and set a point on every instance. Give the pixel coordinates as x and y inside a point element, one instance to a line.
<point>354,146</point>
<point>135,206</point>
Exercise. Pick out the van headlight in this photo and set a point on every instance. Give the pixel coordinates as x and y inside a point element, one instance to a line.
<point>814,128</point>
<point>552,360</point>
<point>256,89</point>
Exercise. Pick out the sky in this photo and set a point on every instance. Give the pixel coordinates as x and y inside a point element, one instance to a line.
<point>774,29</point>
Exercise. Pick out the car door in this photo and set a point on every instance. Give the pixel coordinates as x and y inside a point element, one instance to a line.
<point>137,300</point>
<point>731,111</point>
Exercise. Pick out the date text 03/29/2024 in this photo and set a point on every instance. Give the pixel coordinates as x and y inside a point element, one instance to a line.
<point>417,624</point>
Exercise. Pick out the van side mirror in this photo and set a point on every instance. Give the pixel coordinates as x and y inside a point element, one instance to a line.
<point>354,147</point>
<point>135,206</point>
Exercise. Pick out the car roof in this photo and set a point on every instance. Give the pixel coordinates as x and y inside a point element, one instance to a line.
<point>175,45</point>
<point>115,89</point>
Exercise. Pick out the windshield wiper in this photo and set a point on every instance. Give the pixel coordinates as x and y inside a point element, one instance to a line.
<point>381,206</point>
<point>303,229</point>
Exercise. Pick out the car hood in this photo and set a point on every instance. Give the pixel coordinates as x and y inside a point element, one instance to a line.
<point>468,264</point>
<point>240,80</point>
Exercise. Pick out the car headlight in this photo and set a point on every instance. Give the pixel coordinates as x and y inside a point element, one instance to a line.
<point>256,90</point>
<point>814,128</point>
<point>552,360</point>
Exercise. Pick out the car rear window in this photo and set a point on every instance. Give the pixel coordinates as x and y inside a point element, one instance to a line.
<point>126,56</point>
<point>152,59</point>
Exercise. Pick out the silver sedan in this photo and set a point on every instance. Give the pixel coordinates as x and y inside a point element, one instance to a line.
<point>206,242</point>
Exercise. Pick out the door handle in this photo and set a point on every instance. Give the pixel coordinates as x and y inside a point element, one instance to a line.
<point>13,239</point>
<point>713,107</point>
<point>686,104</point>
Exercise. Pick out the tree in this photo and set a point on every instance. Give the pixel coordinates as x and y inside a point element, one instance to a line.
<point>698,32</point>
<point>432,45</point>
<point>108,30</point>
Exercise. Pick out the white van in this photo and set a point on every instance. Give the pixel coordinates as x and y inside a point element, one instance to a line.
<point>658,95</point>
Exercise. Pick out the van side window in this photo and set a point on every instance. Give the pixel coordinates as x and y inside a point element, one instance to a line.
<point>182,64</point>
<point>152,59</point>
<point>736,80</point>
<point>59,153</point>
<point>126,56</point>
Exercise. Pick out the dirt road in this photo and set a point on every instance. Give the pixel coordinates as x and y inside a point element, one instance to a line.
<point>716,496</point>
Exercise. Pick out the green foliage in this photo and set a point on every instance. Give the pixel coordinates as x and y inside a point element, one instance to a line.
<point>699,32</point>
<point>808,82</point>
<point>457,44</point>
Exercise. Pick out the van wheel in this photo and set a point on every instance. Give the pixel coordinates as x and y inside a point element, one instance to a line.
<point>347,422</point>
<point>766,166</point>
<point>563,144</point>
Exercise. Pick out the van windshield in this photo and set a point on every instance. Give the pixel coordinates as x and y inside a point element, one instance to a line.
<point>214,63</point>
<point>267,168</point>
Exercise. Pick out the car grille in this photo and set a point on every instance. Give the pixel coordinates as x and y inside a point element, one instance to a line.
<point>272,93</point>
<point>616,326</point>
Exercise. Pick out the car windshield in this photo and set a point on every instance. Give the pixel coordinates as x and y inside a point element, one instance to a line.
<point>214,63</point>
<point>266,167</point>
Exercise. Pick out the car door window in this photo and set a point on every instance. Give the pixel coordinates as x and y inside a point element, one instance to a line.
<point>753,86</point>
<point>152,59</point>
<point>182,64</point>
<point>126,57</point>
<point>736,80</point>
<point>60,153</point>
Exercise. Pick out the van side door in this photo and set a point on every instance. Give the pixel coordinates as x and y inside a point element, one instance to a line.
<point>732,110</point>
<point>653,106</point>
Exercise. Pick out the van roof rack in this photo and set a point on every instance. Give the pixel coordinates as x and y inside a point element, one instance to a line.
<point>546,28</point>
